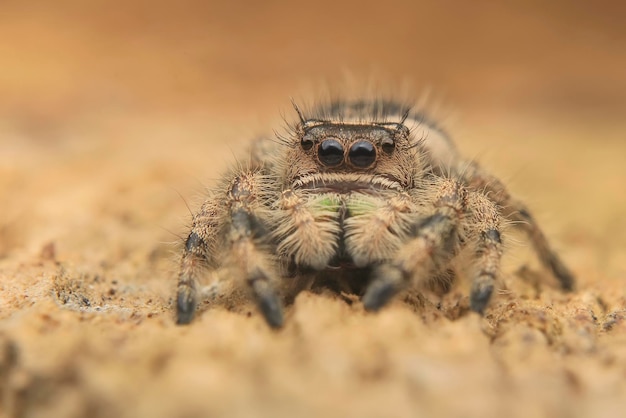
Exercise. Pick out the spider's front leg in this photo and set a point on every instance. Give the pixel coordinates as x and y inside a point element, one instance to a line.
<point>433,241</point>
<point>458,218</point>
<point>229,235</point>
<point>194,260</point>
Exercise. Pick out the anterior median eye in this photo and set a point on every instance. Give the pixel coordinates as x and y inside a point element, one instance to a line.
<point>362,154</point>
<point>330,153</point>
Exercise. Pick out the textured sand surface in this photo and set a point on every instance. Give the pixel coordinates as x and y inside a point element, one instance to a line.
<point>113,115</point>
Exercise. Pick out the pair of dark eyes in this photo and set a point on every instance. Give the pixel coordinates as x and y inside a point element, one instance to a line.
<point>361,154</point>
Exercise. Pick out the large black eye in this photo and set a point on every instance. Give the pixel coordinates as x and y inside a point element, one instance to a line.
<point>330,152</point>
<point>362,154</point>
<point>306,143</point>
<point>388,145</point>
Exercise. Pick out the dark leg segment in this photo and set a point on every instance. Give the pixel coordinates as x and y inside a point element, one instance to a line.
<point>186,302</point>
<point>228,236</point>
<point>488,259</point>
<point>435,243</point>
<point>192,262</point>
<point>246,259</point>
<point>387,281</point>
<point>267,300</point>
<point>516,211</point>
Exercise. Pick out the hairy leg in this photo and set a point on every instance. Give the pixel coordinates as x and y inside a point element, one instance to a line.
<point>434,241</point>
<point>235,225</point>
<point>197,257</point>
<point>517,212</point>
<point>484,235</point>
<point>459,218</point>
<point>187,294</point>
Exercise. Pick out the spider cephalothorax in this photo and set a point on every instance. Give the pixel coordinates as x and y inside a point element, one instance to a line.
<point>354,197</point>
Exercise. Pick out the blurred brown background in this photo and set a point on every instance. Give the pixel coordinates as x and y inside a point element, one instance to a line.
<point>110,111</point>
<point>521,55</point>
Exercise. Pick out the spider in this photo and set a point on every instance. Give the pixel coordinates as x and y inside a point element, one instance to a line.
<point>353,198</point>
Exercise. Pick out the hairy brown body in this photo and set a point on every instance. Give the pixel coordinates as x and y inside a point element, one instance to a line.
<point>353,196</point>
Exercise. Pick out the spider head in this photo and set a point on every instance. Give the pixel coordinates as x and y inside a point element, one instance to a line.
<point>348,156</point>
<point>338,146</point>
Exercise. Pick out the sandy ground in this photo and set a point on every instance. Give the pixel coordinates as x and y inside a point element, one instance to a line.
<point>114,116</point>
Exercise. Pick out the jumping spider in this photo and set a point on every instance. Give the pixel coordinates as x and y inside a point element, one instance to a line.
<point>368,196</point>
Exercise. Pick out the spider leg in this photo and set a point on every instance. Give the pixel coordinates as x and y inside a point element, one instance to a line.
<point>434,241</point>
<point>250,262</point>
<point>484,234</point>
<point>235,225</point>
<point>190,266</point>
<point>516,211</point>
